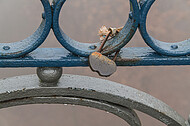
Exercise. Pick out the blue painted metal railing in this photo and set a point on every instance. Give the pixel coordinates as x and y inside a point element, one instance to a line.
<point>26,53</point>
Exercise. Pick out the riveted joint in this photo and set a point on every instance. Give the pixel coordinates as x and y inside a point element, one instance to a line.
<point>6,48</point>
<point>44,15</point>
<point>142,2</point>
<point>53,5</point>
<point>131,15</point>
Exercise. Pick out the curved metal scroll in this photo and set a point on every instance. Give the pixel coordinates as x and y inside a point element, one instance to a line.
<point>137,17</point>
<point>102,94</point>
<point>82,49</point>
<point>23,47</point>
<point>125,113</point>
<point>164,48</point>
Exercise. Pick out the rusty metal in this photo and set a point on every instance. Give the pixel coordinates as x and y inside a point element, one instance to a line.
<point>51,88</point>
<point>105,40</point>
<point>83,49</point>
<point>116,54</point>
<point>101,64</point>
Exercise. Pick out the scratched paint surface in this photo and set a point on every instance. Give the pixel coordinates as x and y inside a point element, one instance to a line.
<point>170,84</point>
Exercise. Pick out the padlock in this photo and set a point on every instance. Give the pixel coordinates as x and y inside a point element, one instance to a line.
<point>102,64</point>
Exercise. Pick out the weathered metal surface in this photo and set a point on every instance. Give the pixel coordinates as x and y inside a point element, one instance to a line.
<point>137,16</point>
<point>102,64</point>
<point>188,121</point>
<point>79,90</point>
<point>88,91</point>
<point>49,74</point>
<point>23,47</point>
<point>60,57</point>
<point>124,113</point>
<point>170,49</point>
<point>81,49</point>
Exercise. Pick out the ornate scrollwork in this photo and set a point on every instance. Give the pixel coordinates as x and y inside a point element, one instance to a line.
<point>137,16</point>
<point>169,49</point>
<point>23,47</point>
<point>93,92</point>
<point>101,94</point>
<point>112,45</point>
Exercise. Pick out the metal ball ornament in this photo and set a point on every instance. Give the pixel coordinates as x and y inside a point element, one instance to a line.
<point>49,74</point>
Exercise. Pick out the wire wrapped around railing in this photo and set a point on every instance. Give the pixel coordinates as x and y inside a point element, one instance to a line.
<point>118,99</point>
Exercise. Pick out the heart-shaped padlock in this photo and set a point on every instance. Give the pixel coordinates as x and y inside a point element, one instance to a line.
<point>102,64</point>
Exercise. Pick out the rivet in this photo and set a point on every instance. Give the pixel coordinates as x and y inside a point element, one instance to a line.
<point>44,15</point>
<point>93,47</point>
<point>53,6</point>
<point>174,46</point>
<point>141,2</point>
<point>6,47</point>
<point>130,14</point>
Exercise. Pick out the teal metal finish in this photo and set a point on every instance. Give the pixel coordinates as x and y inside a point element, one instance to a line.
<point>23,53</point>
<point>164,48</point>
<point>23,47</point>
<point>84,49</point>
<point>60,57</point>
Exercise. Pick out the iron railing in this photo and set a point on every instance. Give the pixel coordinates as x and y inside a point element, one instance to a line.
<point>97,93</point>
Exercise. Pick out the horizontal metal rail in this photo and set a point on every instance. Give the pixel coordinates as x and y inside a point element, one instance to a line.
<point>60,57</point>
<point>137,17</point>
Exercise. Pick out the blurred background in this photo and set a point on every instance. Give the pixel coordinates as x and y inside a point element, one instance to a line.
<point>81,19</point>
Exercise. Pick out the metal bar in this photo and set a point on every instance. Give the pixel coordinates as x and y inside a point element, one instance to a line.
<point>112,45</point>
<point>28,87</point>
<point>124,113</point>
<point>60,57</point>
